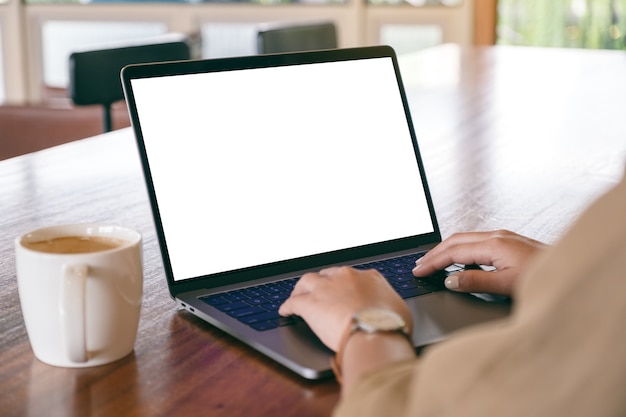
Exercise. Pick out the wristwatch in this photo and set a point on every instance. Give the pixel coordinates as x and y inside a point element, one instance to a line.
<point>371,321</point>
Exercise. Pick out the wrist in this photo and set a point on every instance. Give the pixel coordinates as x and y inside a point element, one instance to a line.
<point>365,354</point>
<point>374,336</point>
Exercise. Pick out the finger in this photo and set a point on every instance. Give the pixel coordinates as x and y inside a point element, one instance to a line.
<point>500,282</point>
<point>465,238</point>
<point>296,303</point>
<point>465,253</point>
<point>456,239</point>
<point>306,283</point>
<point>469,252</point>
<point>326,272</point>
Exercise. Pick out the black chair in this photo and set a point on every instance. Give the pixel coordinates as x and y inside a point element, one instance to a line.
<point>296,37</point>
<point>95,74</point>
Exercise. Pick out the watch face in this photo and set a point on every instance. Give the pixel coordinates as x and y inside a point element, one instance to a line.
<point>379,320</point>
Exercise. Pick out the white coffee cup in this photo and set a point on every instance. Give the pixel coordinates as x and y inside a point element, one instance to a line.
<point>80,290</point>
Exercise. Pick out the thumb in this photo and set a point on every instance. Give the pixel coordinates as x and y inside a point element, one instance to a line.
<point>497,282</point>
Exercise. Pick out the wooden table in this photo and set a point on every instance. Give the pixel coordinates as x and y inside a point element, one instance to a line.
<point>512,138</point>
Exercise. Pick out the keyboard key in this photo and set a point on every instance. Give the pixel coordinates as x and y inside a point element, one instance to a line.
<point>217,299</point>
<point>256,301</point>
<point>288,284</point>
<point>273,288</point>
<point>238,296</point>
<point>232,306</point>
<point>247,311</point>
<point>271,306</point>
<point>258,306</point>
<point>254,292</point>
<point>398,272</point>
<point>401,278</point>
<point>277,297</point>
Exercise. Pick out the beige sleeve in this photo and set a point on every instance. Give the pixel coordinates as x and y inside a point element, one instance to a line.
<point>561,352</point>
<point>382,393</point>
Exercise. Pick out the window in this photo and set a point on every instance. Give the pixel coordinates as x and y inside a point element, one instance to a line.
<point>418,3</point>
<point>599,24</point>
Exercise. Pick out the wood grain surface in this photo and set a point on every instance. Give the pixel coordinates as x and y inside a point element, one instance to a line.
<point>515,138</point>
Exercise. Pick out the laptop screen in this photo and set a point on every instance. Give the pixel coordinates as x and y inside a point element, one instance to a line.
<point>257,166</point>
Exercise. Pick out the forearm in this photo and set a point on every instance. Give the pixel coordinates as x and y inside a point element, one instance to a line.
<point>366,353</point>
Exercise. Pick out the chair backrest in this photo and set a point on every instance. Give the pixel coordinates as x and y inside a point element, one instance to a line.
<point>95,74</point>
<point>296,37</point>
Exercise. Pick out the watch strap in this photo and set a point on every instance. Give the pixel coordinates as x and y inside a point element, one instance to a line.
<point>336,361</point>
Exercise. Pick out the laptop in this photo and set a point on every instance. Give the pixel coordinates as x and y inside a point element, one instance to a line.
<point>262,168</point>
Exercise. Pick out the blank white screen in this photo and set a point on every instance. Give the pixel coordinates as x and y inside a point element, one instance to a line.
<point>257,166</point>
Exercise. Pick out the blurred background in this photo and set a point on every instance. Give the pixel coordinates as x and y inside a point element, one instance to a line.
<point>37,38</point>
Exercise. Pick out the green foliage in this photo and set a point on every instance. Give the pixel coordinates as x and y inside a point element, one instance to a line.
<point>598,24</point>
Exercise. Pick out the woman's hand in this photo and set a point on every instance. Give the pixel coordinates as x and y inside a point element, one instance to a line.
<point>327,300</point>
<point>508,252</point>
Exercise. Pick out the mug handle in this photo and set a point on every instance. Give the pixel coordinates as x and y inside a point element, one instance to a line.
<point>72,311</point>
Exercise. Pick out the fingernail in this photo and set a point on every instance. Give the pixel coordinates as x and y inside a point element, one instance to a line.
<point>418,266</point>
<point>452,282</point>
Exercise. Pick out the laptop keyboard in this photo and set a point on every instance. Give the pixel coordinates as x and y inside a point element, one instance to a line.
<point>258,306</point>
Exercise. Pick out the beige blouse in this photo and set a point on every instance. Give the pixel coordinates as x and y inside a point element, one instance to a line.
<point>562,352</point>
